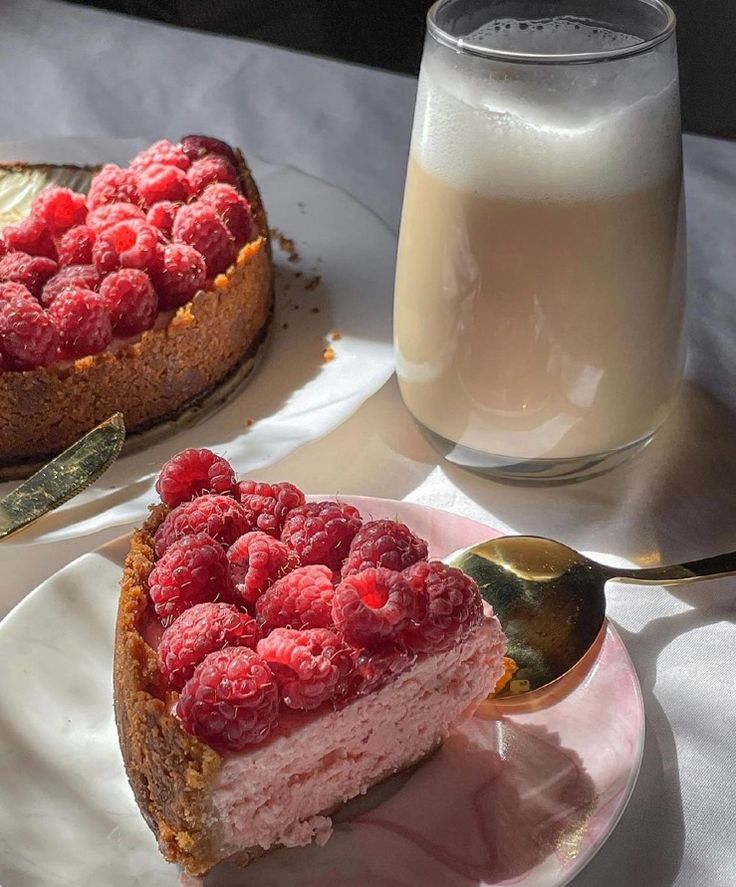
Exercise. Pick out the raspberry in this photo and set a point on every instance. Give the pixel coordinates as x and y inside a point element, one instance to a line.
<point>82,320</point>
<point>200,630</point>
<point>128,244</point>
<point>209,169</point>
<point>308,665</point>
<point>59,208</point>
<point>192,473</point>
<point>161,216</point>
<point>221,517</point>
<point>256,561</point>
<point>27,336</point>
<point>31,236</point>
<point>31,271</point>
<point>192,570</point>
<point>111,213</point>
<point>454,607</point>
<point>373,606</point>
<point>84,276</point>
<point>131,301</point>
<point>162,152</point>
<point>268,504</point>
<point>195,146</point>
<point>231,701</point>
<point>200,227</point>
<point>111,185</point>
<point>302,599</point>
<point>178,272</point>
<point>3,246</point>
<point>159,182</point>
<point>321,532</point>
<point>373,669</point>
<point>232,208</point>
<point>11,292</point>
<point>384,543</point>
<point>74,247</point>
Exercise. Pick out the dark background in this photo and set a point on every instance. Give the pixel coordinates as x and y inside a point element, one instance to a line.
<point>389,33</point>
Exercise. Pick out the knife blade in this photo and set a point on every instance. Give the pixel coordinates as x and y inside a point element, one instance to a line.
<point>63,477</point>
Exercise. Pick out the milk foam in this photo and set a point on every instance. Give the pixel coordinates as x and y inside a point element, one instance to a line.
<point>570,132</point>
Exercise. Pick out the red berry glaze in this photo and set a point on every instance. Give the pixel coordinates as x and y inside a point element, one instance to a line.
<point>83,276</point>
<point>373,668</point>
<point>221,517</point>
<point>199,226</point>
<point>256,561</point>
<point>321,532</point>
<point>373,607</point>
<point>160,182</point>
<point>83,322</point>
<point>267,505</point>
<point>128,244</point>
<point>191,473</point>
<point>31,271</point>
<point>131,301</point>
<point>177,272</point>
<point>161,152</point>
<point>210,169</point>
<point>232,208</point>
<point>111,213</point>
<point>196,146</point>
<point>74,247</point>
<point>199,631</point>
<point>384,543</point>
<point>59,208</point>
<point>302,599</point>
<point>112,185</point>
<point>32,236</point>
<point>28,338</point>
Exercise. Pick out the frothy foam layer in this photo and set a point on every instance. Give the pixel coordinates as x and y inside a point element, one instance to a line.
<point>559,35</point>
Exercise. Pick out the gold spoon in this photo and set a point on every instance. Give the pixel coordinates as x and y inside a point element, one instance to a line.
<point>551,602</point>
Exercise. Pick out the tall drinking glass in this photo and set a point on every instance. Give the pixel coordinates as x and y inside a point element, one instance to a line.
<point>540,277</point>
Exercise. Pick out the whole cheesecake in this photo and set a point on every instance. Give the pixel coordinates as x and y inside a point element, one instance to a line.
<point>153,376</point>
<point>211,793</point>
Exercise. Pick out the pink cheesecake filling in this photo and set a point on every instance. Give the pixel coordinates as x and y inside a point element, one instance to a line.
<point>279,792</point>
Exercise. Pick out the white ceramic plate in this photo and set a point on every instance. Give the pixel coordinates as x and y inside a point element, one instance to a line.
<point>526,800</point>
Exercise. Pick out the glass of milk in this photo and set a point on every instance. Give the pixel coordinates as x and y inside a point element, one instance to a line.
<point>540,275</point>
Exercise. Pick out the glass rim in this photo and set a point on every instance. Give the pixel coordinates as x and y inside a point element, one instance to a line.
<point>458,44</point>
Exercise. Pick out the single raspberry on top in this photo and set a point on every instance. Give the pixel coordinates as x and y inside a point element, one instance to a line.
<point>161,215</point>
<point>232,208</point>
<point>256,561</point>
<point>160,182</point>
<point>111,185</point>
<point>111,213</point>
<point>307,664</point>
<point>192,473</point>
<point>384,543</point>
<point>82,321</point>
<point>267,505</point>
<point>84,276</point>
<point>221,517</point>
<point>454,607</point>
<point>209,169</point>
<point>231,701</point>
<point>160,152</point>
<point>199,226</point>
<point>59,208</point>
<point>131,301</point>
<point>177,272</point>
<point>192,570</point>
<point>196,146</point>
<point>372,607</point>
<point>31,271</point>
<point>128,244</point>
<point>74,247</point>
<point>28,338</point>
<point>302,599</point>
<point>321,532</point>
<point>200,630</point>
<point>32,236</point>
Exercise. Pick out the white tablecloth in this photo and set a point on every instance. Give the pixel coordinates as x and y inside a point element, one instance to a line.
<point>67,70</point>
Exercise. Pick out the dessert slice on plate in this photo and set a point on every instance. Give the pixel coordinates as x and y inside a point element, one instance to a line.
<point>275,658</point>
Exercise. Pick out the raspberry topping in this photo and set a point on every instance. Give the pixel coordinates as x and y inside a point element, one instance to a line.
<point>191,473</point>
<point>82,320</point>
<point>113,184</point>
<point>373,606</point>
<point>268,504</point>
<point>74,247</point>
<point>31,271</point>
<point>321,532</point>
<point>232,208</point>
<point>199,226</point>
<point>454,607</point>
<point>111,213</point>
<point>28,338</point>
<point>160,182</point>
<point>161,215</point>
<point>231,701</point>
<point>59,208</point>
<point>84,276</point>
<point>221,517</point>
<point>384,543</point>
<point>131,301</point>
<point>307,664</point>
<point>209,169</point>
<point>302,599</point>
<point>195,146</point>
<point>192,570</point>
<point>128,244</point>
<point>373,669</point>
<point>200,630</point>
<point>161,152</point>
<point>178,272</point>
<point>256,561</point>
<point>30,236</point>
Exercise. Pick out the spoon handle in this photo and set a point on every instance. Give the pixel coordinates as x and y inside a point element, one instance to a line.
<point>676,574</point>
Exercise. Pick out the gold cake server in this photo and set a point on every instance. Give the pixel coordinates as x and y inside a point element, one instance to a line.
<point>63,477</point>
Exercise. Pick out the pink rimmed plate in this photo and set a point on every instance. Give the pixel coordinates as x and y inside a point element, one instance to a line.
<point>525,800</point>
